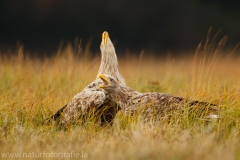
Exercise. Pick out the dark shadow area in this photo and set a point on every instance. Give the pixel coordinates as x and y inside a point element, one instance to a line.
<point>157,26</point>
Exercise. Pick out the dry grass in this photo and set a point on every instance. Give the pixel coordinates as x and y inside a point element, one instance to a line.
<point>32,89</point>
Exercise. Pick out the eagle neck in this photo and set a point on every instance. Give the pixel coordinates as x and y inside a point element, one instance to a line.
<point>121,95</point>
<point>109,65</point>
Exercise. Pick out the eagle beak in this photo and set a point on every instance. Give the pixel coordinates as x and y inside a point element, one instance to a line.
<point>104,39</point>
<point>105,80</point>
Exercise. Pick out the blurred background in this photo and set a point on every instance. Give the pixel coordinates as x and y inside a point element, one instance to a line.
<point>134,25</point>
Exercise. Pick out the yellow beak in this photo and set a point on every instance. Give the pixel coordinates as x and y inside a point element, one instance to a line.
<point>104,38</point>
<point>105,80</point>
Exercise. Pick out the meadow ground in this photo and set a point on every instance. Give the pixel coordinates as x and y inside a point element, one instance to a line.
<point>31,89</point>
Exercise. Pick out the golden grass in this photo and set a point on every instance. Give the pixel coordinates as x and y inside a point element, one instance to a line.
<point>34,88</point>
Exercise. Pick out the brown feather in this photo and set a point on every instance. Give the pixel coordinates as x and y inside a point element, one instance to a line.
<point>152,103</point>
<point>91,97</point>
